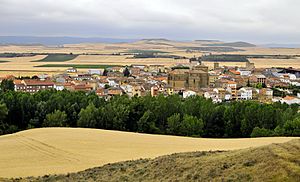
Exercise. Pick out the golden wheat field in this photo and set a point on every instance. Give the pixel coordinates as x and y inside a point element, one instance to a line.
<point>61,150</point>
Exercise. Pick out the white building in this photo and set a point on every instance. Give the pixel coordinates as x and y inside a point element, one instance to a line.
<point>245,93</point>
<point>269,92</point>
<point>72,70</point>
<point>112,83</point>
<point>127,89</point>
<point>59,87</point>
<point>244,72</point>
<point>290,100</point>
<point>189,94</point>
<point>94,72</point>
<point>213,96</point>
<point>295,84</point>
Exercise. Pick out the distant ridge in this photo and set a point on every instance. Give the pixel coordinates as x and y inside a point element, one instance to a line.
<point>33,40</point>
<point>281,45</point>
<point>158,39</point>
<point>207,40</point>
<point>233,44</point>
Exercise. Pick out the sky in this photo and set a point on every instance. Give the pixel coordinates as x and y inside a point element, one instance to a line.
<point>257,21</point>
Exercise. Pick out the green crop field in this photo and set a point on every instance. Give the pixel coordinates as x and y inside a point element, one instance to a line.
<point>79,66</point>
<point>58,58</point>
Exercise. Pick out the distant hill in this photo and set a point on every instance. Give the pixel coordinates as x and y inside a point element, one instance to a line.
<point>158,39</point>
<point>282,45</point>
<point>29,40</point>
<point>207,40</point>
<point>275,162</point>
<point>233,44</point>
<point>212,49</point>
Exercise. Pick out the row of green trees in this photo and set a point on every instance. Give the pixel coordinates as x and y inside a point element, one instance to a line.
<point>194,116</point>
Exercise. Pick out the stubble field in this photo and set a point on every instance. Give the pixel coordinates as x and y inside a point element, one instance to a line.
<point>62,150</point>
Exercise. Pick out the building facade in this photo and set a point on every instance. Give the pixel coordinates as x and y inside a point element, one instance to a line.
<point>192,79</point>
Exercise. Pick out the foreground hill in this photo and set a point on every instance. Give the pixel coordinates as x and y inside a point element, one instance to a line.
<point>62,150</point>
<point>275,162</point>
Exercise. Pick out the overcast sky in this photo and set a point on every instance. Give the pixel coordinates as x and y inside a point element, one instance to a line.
<point>258,21</point>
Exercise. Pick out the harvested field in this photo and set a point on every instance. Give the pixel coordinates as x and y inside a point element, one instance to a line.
<point>62,150</point>
<point>275,162</point>
<point>266,63</point>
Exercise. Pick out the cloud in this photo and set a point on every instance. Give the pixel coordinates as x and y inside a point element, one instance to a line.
<point>256,20</point>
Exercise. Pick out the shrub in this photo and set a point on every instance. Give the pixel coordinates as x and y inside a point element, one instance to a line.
<point>292,128</point>
<point>261,132</point>
<point>55,119</point>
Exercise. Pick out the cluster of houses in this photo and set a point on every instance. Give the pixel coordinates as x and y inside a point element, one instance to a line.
<point>236,83</point>
<point>219,84</point>
<point>143,80</point>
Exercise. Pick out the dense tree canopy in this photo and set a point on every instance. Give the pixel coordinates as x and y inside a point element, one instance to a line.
<point>7,85</point>
<point>193,116</point>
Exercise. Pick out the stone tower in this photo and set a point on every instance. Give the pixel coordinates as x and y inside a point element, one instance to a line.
<point>198,77</point>
<point>216,65</point>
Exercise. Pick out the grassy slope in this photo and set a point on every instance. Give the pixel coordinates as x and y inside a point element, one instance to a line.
<point>275,162</point>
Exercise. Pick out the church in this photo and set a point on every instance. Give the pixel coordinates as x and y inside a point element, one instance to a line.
<point>193,78</point>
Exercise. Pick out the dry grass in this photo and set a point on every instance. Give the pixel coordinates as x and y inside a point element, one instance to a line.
<point>62,150</point>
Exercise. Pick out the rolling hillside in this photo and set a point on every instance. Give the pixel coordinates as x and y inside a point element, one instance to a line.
<point>275,162</point>
<point>62,150</point>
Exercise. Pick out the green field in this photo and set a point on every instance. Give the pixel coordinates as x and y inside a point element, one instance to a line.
<point>58,58</point>
<point>78,66</point>
<point>3,61</point>
<point>224,58</point>
<point>14,55</point>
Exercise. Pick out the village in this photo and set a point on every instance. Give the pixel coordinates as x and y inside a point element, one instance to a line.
<point>220,84</point>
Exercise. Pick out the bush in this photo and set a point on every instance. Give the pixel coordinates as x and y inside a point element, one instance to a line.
<point>174,124</point>
<point>55,119</point>
<point>191,126</point>
<point>88,117</point>
<point>292,128</point>
<point>261,132</point>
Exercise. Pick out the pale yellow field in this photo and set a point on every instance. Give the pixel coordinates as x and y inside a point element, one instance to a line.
<point>122,60</point>
<point>267,63</point>
<point>269,51</point>
<point>62,150</point>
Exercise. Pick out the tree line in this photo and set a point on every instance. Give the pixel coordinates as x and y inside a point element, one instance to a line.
<point>193,116</point>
